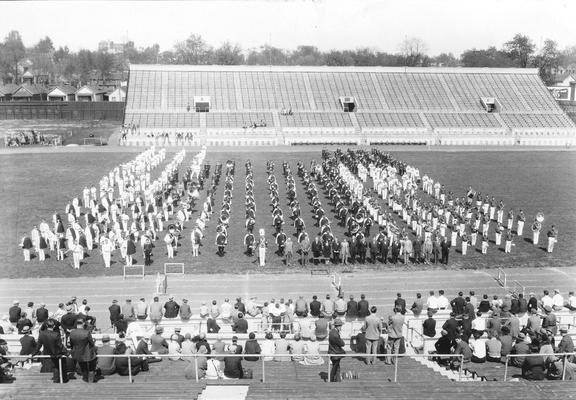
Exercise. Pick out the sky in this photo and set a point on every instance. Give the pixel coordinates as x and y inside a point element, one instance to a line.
<point>444,25</point>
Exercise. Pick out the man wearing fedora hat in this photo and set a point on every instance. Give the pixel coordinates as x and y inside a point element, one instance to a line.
<point>335,346</point>
<point>84,351</point>
<point>27,342</point>
<point>50,343</point>
<point>106,365</point>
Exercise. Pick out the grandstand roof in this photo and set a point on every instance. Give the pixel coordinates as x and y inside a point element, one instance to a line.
<point>352,69</point>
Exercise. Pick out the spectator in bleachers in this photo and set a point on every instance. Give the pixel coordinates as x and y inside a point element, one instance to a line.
<point>478,346</point>
<point>27,342</point>
<point>479,323</point>
<point>214,310</point>
<point>252,347</point>
<point>297,348</point>
<point>395,335</point>
<point>24,321</point>
<point>429,325</point>
<point>363,307</point>
<point>15,312</point>
<point>451,326</point>
<point>321,327</point>
<point>571,303</point>
<point>466,326</point>
<point>506,340</point>
<point>443,302</point>
<point>201,361</point>
<point>351,309</point>
<point>142,309</point>
<point>312,353</point>
<point>533,368</point>
<point>233,365</point>
<point>50,343</point>
<point>156,312</point>
<point>128,311</point>
<point>373,328</point>
<point>315,307</point>
<point>122,366</point>
<point>121,325</point>
<point>400,303</point>
<point>417,306</point>
<point>534,322</point>
<point>520,347</point>
<point>171,308</point>
<point>174,348</point>
<point>188,346</point>
<point>566,344</point>
<point>493,348</point>
<point>461,347</point>
<point>84,351</point>
<point>281,346</point>
<point>106,365</point>
<point>185,310</point>
<point>335,347</point>
<point>549,320</point>
<point>268,347</point>
<point>212,326</point>
<point>115,312</point>
<point>219,347</point>
<point>157,342</point>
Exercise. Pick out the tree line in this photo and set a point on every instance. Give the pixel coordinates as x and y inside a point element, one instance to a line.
<point>62,65</point>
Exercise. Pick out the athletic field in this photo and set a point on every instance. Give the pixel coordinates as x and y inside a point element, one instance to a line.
<point>35,185</point>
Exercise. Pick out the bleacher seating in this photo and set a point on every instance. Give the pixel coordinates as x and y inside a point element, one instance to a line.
<point>432,104</point>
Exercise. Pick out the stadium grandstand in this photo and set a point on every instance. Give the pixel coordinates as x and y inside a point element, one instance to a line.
<point>256,105</point>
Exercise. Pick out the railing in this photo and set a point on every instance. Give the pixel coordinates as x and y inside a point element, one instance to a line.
<point>261,356</point>
<point>563,355</point>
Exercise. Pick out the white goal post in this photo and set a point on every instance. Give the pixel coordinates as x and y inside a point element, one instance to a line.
<point>501,278</point>
<point>97,141</point>
<point>134,271</point>
<point>173,268</point>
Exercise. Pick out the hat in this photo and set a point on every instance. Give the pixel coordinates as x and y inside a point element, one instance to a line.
<point>69,308</point>
<point>338,322</point>
<point>42,304</point>
<point>171,297</point>
<point>234,338</point>
<point>557,290</point>
<point>114,301</point>
<point>25,329</point>
<point>563,330</point>
<point>521,336</point>
<point>177,329</point>
<point>159,329</point>
<point>548,309</point>
<point>105,338</point>
<point>15,302</point>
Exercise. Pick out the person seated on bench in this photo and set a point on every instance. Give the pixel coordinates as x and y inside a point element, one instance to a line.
<point>312,353</point>
<point>233,365</point>
<point>122,366</point>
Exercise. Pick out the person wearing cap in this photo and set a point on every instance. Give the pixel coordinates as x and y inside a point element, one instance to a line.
<point>549,321</point>
<point>106,365</point>
<point>50,344</point>
<point>68,320</point>
<point>60,312</point>
<point>158,344</point>
<point>84,351</point>
<point>417,306</point>
<point>15,312</point>
<point>521,347</point>
<point>443,346</point>
<point>240,305</point>
<point>335,347</point>
<point>185,310</point>
<point>115,312</point>
<point>129,311</point>
<point>171,308</point>
<point>27,342</point>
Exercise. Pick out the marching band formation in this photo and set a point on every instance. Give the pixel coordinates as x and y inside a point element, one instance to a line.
<point>131,208</point>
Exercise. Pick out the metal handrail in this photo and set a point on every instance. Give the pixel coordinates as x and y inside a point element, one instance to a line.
<point>261,356</point>
<point>563,355</point>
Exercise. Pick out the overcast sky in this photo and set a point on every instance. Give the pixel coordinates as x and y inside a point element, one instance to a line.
<point>444,25</point>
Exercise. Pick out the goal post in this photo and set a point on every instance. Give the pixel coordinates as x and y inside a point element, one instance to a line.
<point>95,141</point>
<point>174,269</point>
<point>134,271</point>
<point>516,288</point>
<point>501,278</point>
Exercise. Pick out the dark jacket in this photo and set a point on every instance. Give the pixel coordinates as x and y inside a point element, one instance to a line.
<point>315,308</point>
<point>50,343</point>
<point>14,314</point>
<point>451,326</point>
<point>28,344</point>
<point>172,308</point>
<point>241,326</point>
<point>363,309</point>
<point>252,347</point>
<point>352,309</point>
<point>83,348</point>
<point>335,344</point>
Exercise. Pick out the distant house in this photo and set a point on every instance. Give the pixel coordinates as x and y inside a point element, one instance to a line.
<point>90,93</point>
<point>6,91</point>
<point>62,93</point>
<point>28,78</point>
<point>564,90</point>
<point>30,93</point>
<point>119,94</point>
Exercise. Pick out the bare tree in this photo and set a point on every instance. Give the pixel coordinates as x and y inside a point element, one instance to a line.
<point>413,50</point>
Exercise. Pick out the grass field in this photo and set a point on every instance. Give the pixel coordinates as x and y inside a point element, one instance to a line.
<point>35,185</point>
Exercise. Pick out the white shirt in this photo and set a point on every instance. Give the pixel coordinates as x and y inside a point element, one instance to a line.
<point>558,300</point>
<point>432,302</point>
<point>572,301</point>
<point>443,302</point>
<point>478,347</point>
<point>479,324</point>
<point>226,310</point>
<point>547,301</point>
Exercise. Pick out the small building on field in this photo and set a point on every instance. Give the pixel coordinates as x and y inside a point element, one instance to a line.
<point>91,93</point>
<point>62,93</point>
<point>30,93</point>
